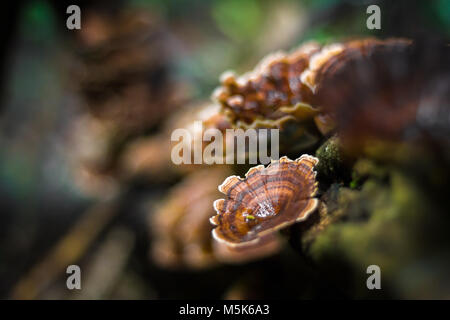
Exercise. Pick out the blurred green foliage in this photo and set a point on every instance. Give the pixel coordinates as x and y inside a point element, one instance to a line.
<point>240,20</point>
<point>38,21</point>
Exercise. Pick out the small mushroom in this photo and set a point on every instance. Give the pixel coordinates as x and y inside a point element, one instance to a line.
<point>360,86</point>
<point>371,90</point>
<point>271,94</point>
<point>266,200</point>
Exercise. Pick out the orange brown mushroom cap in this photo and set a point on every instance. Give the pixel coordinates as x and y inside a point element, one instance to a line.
<point>372,89</point>
<point>266,200</point>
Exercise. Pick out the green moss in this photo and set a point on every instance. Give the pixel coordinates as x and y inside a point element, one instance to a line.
<point>391,236</point>
<point>332,166</point>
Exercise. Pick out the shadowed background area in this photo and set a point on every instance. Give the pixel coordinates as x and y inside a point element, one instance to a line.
<point>86,176</point>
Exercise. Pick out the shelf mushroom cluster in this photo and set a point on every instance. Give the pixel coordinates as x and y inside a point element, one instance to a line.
<point>360,90</point>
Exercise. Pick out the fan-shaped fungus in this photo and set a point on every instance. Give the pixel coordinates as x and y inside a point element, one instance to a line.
<point>266,200</point>
<point>371,89</point>
<point>270,94</point>
<point>180,229</point>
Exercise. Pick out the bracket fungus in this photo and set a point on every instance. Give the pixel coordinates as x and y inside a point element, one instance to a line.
<point>371,89</point>
<point>266,200</point>
<point>179,225</point>
<point>271,94</point>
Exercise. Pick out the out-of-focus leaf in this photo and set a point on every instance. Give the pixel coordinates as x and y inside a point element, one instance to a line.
<point>239,20</point>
